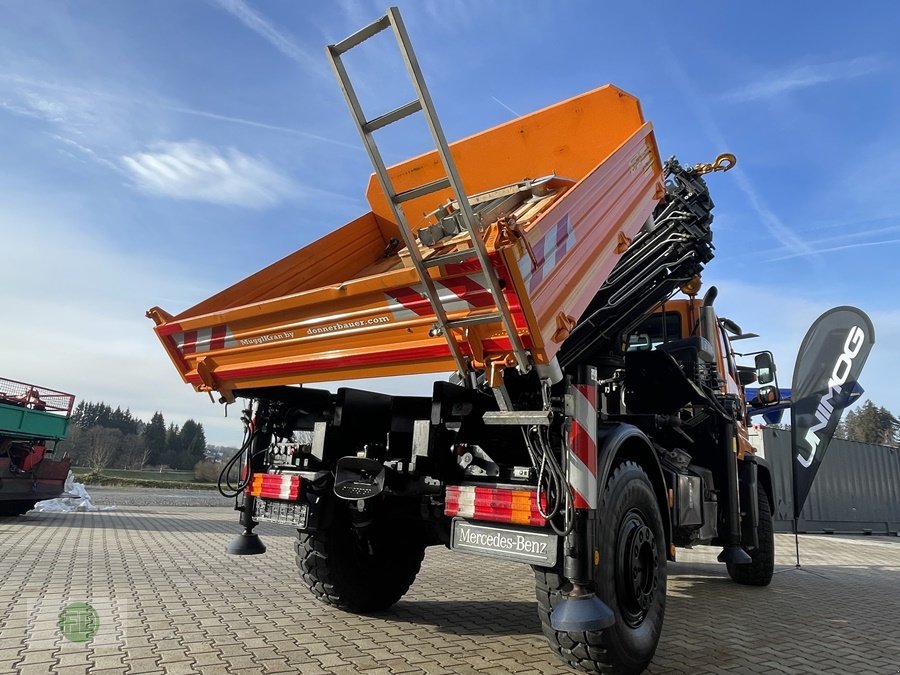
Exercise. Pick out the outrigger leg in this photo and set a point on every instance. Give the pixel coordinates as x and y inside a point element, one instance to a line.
<point>580,609</point>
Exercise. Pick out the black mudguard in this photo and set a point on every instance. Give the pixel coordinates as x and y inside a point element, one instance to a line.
<point>625,441</point>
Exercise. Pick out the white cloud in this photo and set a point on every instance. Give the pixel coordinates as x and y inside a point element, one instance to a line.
<point>803,77</point>
<point>37,106</point>
<point>78,108</point>
<point>49,107</point>
<point>79,326</point>
<point>194,171</point>
<point>85,151</point>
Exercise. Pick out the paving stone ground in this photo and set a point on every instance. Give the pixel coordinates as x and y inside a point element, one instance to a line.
<point>170,601</point>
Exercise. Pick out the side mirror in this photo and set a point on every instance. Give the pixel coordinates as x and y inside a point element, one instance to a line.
<point>766,396</point>
<point>765,368</point>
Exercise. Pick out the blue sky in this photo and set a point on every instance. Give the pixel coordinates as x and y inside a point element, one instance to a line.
<point>154,153</point>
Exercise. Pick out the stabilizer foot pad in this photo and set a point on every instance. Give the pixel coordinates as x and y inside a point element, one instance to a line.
<point>580,613</point>
<point>246,544</point>
<point>734,555</point>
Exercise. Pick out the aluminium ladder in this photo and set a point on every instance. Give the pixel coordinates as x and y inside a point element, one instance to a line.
<point>366,128</point>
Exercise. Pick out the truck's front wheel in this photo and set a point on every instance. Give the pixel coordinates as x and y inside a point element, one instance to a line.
<point>760,571</point>
<point>630,579</point>
<point>364,571</point>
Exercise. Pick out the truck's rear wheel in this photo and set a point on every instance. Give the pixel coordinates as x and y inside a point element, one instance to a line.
<point>359,572</point>
<point>760,571</point>
<point>631,580</point>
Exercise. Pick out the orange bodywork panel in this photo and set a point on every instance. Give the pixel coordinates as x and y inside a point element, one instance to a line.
<point>347,306</point>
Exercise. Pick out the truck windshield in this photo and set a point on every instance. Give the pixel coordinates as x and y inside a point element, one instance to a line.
<point>654,331</point>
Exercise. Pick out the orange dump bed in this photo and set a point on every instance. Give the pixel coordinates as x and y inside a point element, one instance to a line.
<point>350,305</point>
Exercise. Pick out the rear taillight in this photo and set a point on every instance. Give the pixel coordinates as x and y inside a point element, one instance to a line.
<point>274,486</point>
<point>496,504</point>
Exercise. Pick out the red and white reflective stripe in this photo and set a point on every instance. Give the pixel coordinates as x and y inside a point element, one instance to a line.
<point>549,250</point>
<point>581,467</point>
<point>496,504</point>
<point>274,486</point>
<point>204,339</point>
<point>457,294</point>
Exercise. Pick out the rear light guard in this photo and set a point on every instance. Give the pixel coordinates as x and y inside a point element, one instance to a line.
<point>280,486</point>
<point>514,504</point>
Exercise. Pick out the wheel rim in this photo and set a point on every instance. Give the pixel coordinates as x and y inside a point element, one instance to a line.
<point>637,568</point>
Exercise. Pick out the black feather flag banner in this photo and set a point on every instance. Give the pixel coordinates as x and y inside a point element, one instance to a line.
<point>829,363</point>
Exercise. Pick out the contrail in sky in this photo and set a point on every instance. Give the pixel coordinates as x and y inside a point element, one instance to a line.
<point>505,106</point>
<point>271,34</point>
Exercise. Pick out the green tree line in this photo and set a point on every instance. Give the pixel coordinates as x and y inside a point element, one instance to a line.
<point>870,423</point>
<point>866,423</point>
<point>100,436</point>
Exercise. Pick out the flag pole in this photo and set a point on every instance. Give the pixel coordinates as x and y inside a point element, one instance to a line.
<point>796,521</point>
<point>796,517</point>
<point>794,497</point>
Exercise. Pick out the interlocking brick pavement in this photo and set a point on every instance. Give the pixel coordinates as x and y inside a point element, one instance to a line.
<point>180,605</point>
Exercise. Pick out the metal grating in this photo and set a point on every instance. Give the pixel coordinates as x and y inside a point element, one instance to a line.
<point>25,395</point>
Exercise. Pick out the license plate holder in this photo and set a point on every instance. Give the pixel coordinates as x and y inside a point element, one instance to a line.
<point>294,514</point>
<point>519,544</point>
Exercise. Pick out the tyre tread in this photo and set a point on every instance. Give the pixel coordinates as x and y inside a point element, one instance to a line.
<point>587,651</point>
<point>337,581</point>
<point>760,571</point>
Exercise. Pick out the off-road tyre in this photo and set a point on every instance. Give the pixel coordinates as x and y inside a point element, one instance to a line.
<point>16,508</point>
<point>341,570</point>
<point>760,571</point>
<point>630,530</point>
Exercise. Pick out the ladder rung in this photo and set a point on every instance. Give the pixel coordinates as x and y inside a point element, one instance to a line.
<point>493,317</point>
<point>450,258</point>
<point>360,36</point>
<point>422,190</point>
<point>393,116</point>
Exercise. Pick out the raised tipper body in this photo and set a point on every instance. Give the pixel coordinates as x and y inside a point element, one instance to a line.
<point>578,179</point>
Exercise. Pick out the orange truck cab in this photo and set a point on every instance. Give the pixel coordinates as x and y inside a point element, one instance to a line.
<point>679,322</point>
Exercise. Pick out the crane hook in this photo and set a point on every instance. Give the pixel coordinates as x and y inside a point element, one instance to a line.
<point>723,162</point>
